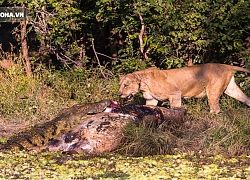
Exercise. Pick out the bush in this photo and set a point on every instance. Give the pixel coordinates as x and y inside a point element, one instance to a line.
<point>45,93</point>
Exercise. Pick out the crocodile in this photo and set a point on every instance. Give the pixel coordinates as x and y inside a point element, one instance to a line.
<point>41,134</point>
<point>96,134</point>
<point>103,132</point>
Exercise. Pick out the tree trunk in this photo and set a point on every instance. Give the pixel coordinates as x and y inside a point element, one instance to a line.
<point>25,50</point>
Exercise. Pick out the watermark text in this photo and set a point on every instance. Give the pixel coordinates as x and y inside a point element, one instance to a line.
<point>13,14</point>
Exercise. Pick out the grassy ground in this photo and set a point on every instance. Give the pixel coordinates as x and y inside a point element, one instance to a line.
<point>24,165</point>
<point>197,142</point>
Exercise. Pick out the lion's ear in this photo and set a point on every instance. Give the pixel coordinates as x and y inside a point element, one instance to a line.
<point>135,75</point>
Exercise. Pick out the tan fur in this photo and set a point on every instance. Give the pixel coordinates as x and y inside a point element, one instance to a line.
<point>209,80</point>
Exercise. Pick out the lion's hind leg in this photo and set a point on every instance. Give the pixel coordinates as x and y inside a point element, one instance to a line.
<point>214,104</point>
<point>214,94</point>
<point>234,91</point>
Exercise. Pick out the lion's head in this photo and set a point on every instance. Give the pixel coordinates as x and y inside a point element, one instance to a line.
<point>128,86</point>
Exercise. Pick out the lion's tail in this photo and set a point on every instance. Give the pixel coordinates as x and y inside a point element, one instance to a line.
<point>237,68</point>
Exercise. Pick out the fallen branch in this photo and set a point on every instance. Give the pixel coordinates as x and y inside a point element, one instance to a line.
<point>98,61</point>
<point>108,56</point>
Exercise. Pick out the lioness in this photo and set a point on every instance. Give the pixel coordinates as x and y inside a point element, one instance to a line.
<point>194,81</point>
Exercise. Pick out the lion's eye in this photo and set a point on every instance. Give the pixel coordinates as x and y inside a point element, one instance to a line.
<point>125,86</point>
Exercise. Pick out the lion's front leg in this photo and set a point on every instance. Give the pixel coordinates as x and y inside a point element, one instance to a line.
<point>151,102</point>
<point>175,100</point>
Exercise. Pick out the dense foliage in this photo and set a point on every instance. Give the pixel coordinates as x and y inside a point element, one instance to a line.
<point>129,35</point>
